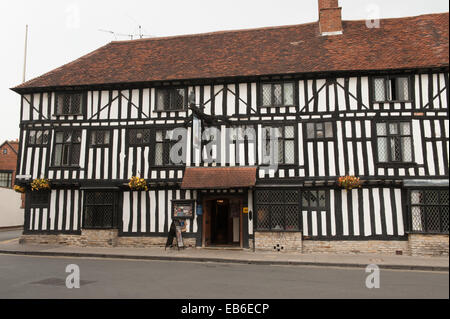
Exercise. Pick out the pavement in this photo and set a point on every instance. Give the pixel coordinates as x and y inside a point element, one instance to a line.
<point>245,256</point>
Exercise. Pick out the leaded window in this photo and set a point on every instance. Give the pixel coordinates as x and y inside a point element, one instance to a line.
<point>6,179</point>
<point>391,89</point>
<point>429,211</point>
<point>139,137</point>
<point>314,200</point>
<point>319,130</point>
<point>277,94</point>
<point>39,199</point>
<point>171,99</point>
<point>69,103</point>
<point>394,142</point>
<point>100,210</point>
<point>277,210</point>
<point>100,138</point>
<point>163,143</point>
<point>38,138</point>
<point>286,143</point>
<point>67,148</point>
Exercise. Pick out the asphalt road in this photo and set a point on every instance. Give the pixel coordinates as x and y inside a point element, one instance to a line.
<point>44,277</point>
<point>10,234</point>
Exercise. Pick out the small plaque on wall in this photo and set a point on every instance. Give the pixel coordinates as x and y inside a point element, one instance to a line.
<point>183,208</point>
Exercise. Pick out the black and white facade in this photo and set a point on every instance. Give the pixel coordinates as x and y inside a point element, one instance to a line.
<point>390,128</point>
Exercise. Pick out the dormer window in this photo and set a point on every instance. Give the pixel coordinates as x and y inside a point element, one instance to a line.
<point>69,104</point>
<point>391,89</point>
<point>277,94</point>
<point>171,99</point>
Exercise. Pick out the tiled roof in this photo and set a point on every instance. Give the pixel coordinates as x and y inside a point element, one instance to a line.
<point>402,43</point>
<point>218,177</point>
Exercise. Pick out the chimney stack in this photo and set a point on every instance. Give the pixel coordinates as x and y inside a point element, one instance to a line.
<point>330,17</point>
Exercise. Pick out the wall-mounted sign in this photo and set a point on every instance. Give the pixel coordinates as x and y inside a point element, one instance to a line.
<point>183,208</point>
<point>245,210</point>
<point>199,209</point>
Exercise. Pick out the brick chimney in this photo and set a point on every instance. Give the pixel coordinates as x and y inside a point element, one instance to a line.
<point>330,18</point>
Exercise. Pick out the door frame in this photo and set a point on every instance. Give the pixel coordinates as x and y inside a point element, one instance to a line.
<point>208,197</point>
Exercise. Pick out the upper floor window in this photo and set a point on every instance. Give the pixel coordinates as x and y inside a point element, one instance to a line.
<point>5,151</point>
<point>163,143</point>
<point>277,94</point>
<point>172,99</point>
<point>139,137</point>
<point>38,138</point>
<point>67,148</point>
<point>394,142</point>
<point>286,143</point>
<point>69,103</point>
<point>391,88</point>
<point>6,179</point>
<point>99,138</point>
<point>319,130</point>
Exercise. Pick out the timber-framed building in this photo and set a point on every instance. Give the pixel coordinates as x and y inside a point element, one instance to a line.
<point>348,98</point>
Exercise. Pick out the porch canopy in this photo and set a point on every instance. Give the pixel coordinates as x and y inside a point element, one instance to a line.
<point>218,177</point>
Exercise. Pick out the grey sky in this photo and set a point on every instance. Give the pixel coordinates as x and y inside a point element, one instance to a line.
<point>61,31</point>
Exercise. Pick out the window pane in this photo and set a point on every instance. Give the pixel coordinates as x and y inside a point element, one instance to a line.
<point>58,153</point>
<point>39,137</point>
<point>406,149</point>
<point>159,136</point>
<point>106,137</point>
<point>310,130</point>
<point>277,94</point>
<point>402,89</point>
<point>289,152</point>
<point>292,218</point>
<point>75,103</point>
<point>381,129</point>
<point>379,90</point>
<point>280,152</point>
<point>417,215</point>
<point>75,154</point>
<point>162,99</point>
<point>59,137</point>
<point>45,137</point>
<point>416,197</point>
<point>328,129</point>
<point>382,149</point>
<point>267,94</point>
<point>65,155</point>
<point>277,218</point>
<point>322,198</point>
<point>289,132</point>
<point>405,128</point>
<point>60,103</point>
<point>263,217</point>
<point>395,149</point>
<point>393,128</point>
<point>32,138</point>
<point>158,154</point>
<point>177,102</point>
<point>288,94</point>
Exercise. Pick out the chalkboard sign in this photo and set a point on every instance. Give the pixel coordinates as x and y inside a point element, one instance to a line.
<point>183,208</point>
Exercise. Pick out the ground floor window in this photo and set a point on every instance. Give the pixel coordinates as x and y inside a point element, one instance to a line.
<point>39,199</point>
<point>429,211</point>
<point>100,210</point>
<point>6,179</point>
<point>277,210</point>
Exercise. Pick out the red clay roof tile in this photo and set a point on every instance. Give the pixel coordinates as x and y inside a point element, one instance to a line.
<point>402,43</point>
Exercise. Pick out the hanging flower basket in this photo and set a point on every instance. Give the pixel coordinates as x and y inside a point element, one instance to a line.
<point>349,182</point>
<point>137,184</point>
<point>19,189</point>
<point>40,184</point>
